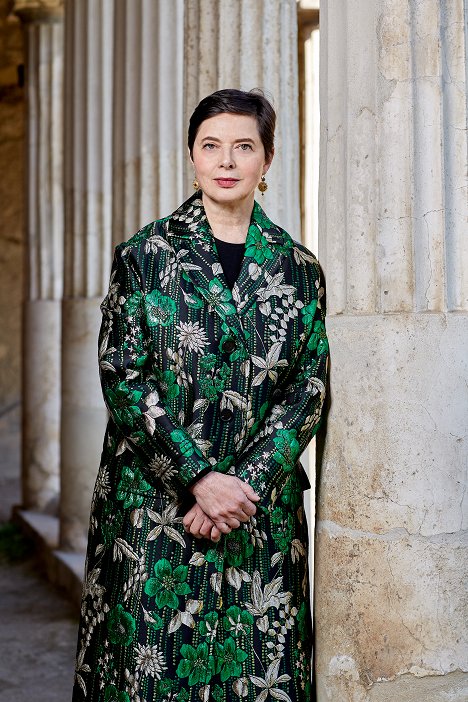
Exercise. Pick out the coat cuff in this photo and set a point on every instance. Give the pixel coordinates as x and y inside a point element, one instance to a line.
<point>197,477</point>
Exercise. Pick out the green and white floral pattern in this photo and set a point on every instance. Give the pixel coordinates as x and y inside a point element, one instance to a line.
<point>197,378</point>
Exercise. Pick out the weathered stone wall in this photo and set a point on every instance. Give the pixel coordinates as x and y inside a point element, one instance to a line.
<point>11,207</point>
<point>392,536</point>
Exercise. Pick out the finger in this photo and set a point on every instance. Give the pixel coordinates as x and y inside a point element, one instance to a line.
<point>243,510</point>
<point>223,527</point>
<point>242,516</point>
<point>215,534</point>
<point>245,517</point>
<point>196,524</point>
<point>189,517</point>
<point>249,491</point>
<point>249,508</point>
<point>233,522</point>
<point>206,527</point>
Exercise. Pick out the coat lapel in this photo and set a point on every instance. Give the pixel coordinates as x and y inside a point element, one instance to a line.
<point>264,249</point>
<point>189,233</point>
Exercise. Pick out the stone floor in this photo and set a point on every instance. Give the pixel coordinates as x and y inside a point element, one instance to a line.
<point>38,625</point>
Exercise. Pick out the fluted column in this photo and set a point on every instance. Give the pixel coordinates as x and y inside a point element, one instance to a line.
<point>247,45</point>
<point>391,551</point>
<point>149,133</point>
<point>43,28</point>
<point>88,252</point>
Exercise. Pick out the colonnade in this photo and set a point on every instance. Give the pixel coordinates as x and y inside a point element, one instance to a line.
<point>111,85</point>
<point>392,516</point>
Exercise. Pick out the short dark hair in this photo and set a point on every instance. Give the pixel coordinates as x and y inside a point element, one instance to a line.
<point>236,102</point>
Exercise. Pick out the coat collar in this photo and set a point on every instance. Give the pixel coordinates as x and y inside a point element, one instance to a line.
<point>189,233</point>
<point>190,217</point>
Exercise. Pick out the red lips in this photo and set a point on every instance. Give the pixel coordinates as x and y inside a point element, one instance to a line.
<point>226,182</point>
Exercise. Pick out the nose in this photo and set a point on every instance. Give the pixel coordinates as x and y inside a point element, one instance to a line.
<point>227,158</point>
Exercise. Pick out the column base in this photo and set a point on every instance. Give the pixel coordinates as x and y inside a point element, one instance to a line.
<point>84,418</point>
<point>41,405</point>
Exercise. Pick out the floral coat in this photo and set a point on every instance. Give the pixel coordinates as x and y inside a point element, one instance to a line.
<point>198,378</point>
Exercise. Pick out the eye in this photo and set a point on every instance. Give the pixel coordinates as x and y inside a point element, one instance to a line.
<point>245,147</point>
<point>209,146</point>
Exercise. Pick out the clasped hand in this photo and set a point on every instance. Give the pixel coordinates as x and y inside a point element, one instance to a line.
<point>222,503</point>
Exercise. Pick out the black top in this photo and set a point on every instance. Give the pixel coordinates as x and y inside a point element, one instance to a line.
<point>230,257</point>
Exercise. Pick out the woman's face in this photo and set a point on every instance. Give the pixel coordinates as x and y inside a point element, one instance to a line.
<point>229,158</point>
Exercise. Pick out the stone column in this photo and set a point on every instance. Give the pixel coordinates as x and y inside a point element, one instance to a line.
<point>88,252</point>
<point>247,45</point>
<point>149,132</point>
<point>391,557</point>
<point>43,28</point>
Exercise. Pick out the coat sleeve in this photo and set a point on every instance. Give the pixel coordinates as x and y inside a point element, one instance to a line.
<point>270,460</point>
<point>130,390</point>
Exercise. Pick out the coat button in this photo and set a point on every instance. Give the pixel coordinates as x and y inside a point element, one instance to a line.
<point>229,346</point>
<point>277,395</point>
<point>226,414</point>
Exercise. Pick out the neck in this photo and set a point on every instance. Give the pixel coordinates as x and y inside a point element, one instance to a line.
<point>229,221</point>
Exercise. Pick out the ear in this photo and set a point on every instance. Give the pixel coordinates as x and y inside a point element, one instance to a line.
<point>267,163</point>
<point>190,158</point>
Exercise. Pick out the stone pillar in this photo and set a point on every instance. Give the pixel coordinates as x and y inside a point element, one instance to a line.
<point>149,132</point>
<point>88,252</point>
<point>391,551</point>
<point>247,45</point>
<point>43,28</point>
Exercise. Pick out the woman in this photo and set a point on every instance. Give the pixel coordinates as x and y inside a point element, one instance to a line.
<point>213,359</point>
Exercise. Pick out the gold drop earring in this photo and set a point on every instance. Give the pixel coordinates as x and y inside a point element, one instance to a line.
<point>263,185</point>
<point>196,185</point>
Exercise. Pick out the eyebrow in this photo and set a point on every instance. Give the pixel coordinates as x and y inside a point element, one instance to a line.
<point>237,141</point>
